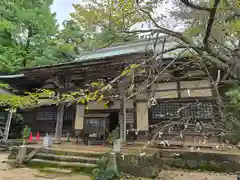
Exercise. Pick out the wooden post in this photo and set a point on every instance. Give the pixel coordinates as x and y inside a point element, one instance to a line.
<point>122,113</point>
<point>60,113</point>
<point>58,131</point>
<point>8,124</point>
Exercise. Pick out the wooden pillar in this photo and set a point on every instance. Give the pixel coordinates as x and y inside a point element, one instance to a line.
<point>79,121</point>
<point>59,125</point>
<point>122,112</point>
<point>142,120</point>
<point>60,113</point>
<point>8,124</point>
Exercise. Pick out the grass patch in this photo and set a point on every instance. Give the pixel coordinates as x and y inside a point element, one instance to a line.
<point>41,166</point>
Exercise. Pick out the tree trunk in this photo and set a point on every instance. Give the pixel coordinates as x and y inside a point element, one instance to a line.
<point>8,124</point>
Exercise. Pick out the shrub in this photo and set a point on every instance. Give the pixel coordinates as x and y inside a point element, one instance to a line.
<point>104,174</point>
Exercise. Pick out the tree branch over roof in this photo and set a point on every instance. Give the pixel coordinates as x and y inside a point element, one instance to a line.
<point>191,5</point>
<point>212,14</point>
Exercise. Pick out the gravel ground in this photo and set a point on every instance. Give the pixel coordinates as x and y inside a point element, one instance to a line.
<point>193,175</point>
<point>30,174</point>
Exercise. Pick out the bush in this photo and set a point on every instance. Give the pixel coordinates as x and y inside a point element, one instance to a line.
<point>101,173</point>
<point>104,174</point>
<point>102,162</point>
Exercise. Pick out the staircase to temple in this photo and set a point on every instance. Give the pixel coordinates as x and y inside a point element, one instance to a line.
<point>56,160</point>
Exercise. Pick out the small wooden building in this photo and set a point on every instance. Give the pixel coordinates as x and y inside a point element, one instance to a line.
<point>187,86</point>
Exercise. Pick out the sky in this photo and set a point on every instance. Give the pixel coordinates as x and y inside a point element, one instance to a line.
<point>63,8</point>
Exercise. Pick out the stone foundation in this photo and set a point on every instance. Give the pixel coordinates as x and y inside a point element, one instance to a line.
<point>149,166</point>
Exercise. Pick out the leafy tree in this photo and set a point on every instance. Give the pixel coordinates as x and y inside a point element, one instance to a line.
<point>225,30</point>
<point>101,21</point>
<point>210,35</point>
<point>68,41</point>
<point>29,35</point>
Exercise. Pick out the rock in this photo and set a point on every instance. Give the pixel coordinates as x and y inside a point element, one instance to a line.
<point>180,163</point>
<point>117,145</point>
<point>4,166</point>
<point>21,154</point>
<point>112,164</point>
<point>192,163</point>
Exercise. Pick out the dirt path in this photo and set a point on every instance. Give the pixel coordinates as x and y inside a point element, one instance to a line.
<point>193,175</point>
<point>30,174</point>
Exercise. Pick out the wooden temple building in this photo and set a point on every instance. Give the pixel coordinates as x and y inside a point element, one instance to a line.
<point>182,87</point>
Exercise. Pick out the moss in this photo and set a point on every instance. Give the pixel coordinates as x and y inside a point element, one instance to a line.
<point>41,166</point>
<point>71,153</point>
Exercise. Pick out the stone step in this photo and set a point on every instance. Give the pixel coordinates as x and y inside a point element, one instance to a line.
<point>57,170</point>
<point>72,153</point>
<point>55,157</point>
<point>74,166</point>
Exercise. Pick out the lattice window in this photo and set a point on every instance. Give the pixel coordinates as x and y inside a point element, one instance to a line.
<point>195,110</point>
<point>130,116</point>
<point>92,122</point>
<point>68,116</point>
<point>102,123</point>
<point>198,110</point>
<point>165,110</point>
<point>46,116</point>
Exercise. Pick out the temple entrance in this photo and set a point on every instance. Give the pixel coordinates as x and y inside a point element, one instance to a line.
<point>113,121</point>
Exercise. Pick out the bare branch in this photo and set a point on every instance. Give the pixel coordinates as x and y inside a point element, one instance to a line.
<point>191,5</point>
<point>156,77</point>
<point>210,22</point>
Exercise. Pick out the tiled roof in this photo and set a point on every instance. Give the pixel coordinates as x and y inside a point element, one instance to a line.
<point>139,46</point>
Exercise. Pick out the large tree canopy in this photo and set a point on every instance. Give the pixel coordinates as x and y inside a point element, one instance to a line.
<point>101,21</point>
<point>29,35</point>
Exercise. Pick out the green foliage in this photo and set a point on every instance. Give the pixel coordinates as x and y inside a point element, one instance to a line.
<point>26,28</point>
<point>233,118</point>
<point>14,102</point>
<point>225,27</point>
<point>103,21</point>
<point>104,175</point>
<point>101,173</point>
<point>102,162</point>
<point>29,35</point>
<point>113,136</point>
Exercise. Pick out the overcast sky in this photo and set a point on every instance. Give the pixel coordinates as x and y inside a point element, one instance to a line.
<point>63,8</point>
